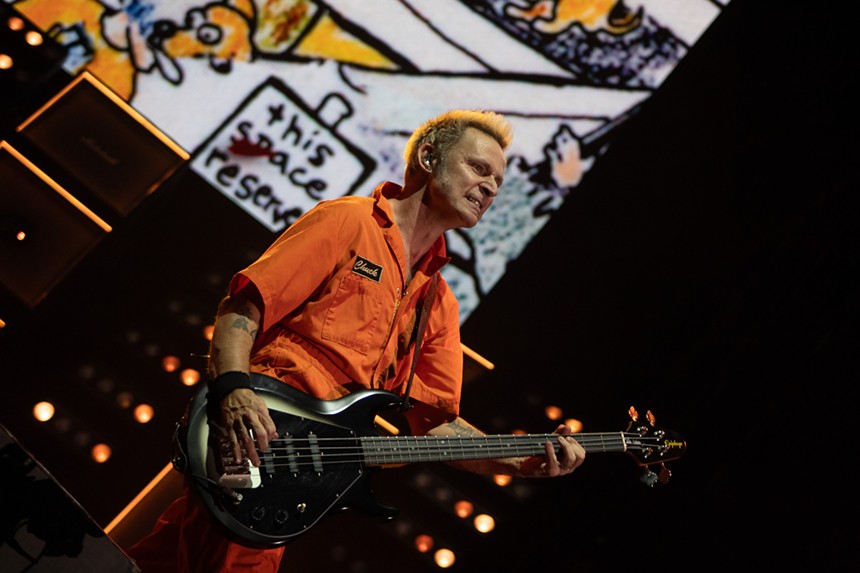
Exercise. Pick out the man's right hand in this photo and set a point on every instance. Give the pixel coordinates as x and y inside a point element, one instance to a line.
<point>245,417</point>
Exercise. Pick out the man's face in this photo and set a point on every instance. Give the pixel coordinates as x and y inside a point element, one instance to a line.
<point>468,180</point>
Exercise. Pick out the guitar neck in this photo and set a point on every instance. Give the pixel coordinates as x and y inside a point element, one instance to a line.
<point>384,450</point>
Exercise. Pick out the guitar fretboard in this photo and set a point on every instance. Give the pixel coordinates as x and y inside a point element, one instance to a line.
<point>382,450</point>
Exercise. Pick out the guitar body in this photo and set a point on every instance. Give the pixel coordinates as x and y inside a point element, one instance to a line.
<point>293,488</point>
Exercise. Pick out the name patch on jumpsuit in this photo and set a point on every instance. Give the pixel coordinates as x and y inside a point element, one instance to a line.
<point>367,269</point>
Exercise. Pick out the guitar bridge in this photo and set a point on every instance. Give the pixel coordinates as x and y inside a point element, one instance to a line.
<point>238,474</point>
<point>245,480</point>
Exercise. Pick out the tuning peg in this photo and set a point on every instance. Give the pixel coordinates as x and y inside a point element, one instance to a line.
<point>634,415</point>
<point>649,478</point>
<point>665,474</point>
<point>650,417</point>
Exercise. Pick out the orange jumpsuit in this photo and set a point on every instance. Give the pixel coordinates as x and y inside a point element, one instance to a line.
<point>336,310</point>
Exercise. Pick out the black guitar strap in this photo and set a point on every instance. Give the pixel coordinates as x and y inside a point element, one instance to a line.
<point>419,336</point>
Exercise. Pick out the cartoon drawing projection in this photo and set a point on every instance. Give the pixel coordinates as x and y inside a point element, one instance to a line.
<point>555,16</point>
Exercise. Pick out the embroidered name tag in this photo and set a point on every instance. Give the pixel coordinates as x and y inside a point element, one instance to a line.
<point>367,269</point>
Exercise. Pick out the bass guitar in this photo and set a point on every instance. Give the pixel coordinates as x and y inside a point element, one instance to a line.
<point>320,459</point>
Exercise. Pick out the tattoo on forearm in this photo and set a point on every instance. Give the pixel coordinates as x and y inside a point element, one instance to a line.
<point>462,429</point>
<point>243,325</point>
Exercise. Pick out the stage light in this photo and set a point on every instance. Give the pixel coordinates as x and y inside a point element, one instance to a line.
<point>15,23</point>
<point>101,453</point>
<point>125,400</point>
<point>43,411</point>
<point>574,424</point>
<point>484,523</point>
<point>33,38</point>
<point>143,413</point>
<point>444,558</point>
<point>207,331</point>
<point>15,229</point>
<point>190,377</point>
<point>464,508</point>
<point>170,363</point>
<point>502,480</point>
<point>553,413</point>
<point>33,57</point>
<point>423,543</point>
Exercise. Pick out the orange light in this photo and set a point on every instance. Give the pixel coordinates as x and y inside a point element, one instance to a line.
<point>444,558</point>
<point>7,62</point>
<point>423,543</point>
<point>207,331</point>
<point>33,38</point>
<point>143,413</point>
<point>463,508</point>
<point>125,400</point>
<point>15,23</point>
<point>574,424</point>
<point>100,453</point>
<point>519,432</point>
<point>502,480</point>
<point>190,376</point>
<point>553,412</point>
<point>170,363</point>
<point>484,523</point>
<point>43,411</point>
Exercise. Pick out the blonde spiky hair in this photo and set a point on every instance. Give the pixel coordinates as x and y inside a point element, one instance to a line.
<point>445,130</point>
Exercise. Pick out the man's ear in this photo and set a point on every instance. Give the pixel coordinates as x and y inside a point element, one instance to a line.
<point>426,156</point>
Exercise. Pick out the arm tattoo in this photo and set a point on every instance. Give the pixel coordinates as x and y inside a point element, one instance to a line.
<point>461,429</point>
<point>242,324</point>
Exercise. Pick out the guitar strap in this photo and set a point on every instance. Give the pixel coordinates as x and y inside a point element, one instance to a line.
<point>419,336</point>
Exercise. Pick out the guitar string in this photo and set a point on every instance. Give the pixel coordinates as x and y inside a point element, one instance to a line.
<point>435,443</point>
<point>431,444</point>
<point>382,455</point>
<point>513,438</point>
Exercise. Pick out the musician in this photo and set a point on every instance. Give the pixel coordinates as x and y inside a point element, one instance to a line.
<point>332,305</point>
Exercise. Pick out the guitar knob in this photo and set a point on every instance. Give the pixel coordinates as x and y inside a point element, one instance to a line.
<point>258,513</point>
<point>281,517</point>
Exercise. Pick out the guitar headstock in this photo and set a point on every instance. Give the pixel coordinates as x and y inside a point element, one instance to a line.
<point>649,445</point>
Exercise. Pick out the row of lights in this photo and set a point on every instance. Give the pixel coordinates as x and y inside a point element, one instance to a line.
<point>142,412</point>
<point>27,57</point>
<point>481,521</point>
<point>31,37</point>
